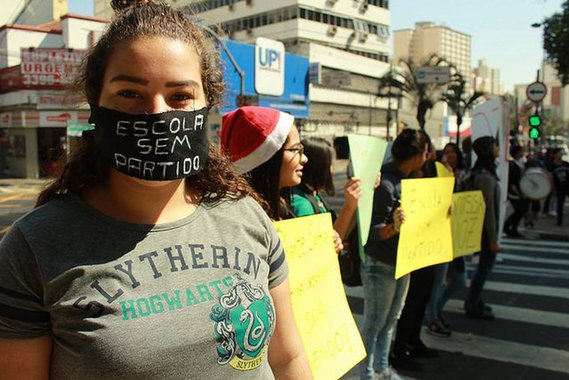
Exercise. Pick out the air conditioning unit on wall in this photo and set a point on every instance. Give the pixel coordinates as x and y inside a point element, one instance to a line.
<point>363,7</point>
<point>332,30</point>
<point>362,36</point>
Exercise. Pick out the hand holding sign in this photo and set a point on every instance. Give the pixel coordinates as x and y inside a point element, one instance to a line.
<point>425,237</point>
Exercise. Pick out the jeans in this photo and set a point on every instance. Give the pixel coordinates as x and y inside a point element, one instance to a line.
<point>408,333</point>
<point>432,312</point>
<point>485,265</point>
<point>384,297</point>
<point>457,272</point>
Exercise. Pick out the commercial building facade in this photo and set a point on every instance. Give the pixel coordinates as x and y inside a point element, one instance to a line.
<point>35,106</point>
<point>346,42</point>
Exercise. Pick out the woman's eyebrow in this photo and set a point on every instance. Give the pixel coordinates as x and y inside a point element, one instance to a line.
<point>182,83</point>
<point>142,81</point>
<point>129,78</point>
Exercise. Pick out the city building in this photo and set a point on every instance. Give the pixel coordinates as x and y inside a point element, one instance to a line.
<point>418,44</point>
<point>31,12</point>
<point>486,79</point>
<point>346,42</point>
<point>35,107</point>
<point>427,39</point>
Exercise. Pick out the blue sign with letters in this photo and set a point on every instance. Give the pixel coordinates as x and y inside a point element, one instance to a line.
<point>295,98</point>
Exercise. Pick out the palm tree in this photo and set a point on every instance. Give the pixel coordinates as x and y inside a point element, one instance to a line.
<point>459,101</point>
<point>423,95</point>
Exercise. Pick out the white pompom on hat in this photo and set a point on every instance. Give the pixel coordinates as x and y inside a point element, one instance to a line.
<point>251,135</point>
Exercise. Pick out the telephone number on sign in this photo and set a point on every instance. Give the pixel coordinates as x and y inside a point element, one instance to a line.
<point>45,79</point>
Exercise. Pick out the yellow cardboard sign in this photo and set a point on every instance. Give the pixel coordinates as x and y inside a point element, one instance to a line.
<point>467,222</point>
<point>425,238</point>
<point>442,171</point>
<point>331,338</point>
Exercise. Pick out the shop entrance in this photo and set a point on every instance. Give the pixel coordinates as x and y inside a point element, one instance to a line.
<point>52,149</point>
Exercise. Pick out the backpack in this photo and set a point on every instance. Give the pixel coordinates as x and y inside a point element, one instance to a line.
<point>349,259</point>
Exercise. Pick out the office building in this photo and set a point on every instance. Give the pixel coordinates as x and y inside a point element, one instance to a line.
<point>486,79</point>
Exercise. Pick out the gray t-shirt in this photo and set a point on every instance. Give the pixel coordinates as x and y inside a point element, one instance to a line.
<point>182,300</point>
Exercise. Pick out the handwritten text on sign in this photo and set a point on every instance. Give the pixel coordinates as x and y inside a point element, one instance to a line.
<point>330,335</point>
<point>467,222</point>
<point>425,237</point>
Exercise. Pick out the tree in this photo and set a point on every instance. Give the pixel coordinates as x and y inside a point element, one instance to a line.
<point>459,101</point>
<point>556,41</point>
<point>423,95</point>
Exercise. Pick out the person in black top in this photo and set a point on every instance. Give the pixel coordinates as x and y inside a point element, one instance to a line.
<point>519,203</point>
<point>383,294</point>
<point>560,171</point>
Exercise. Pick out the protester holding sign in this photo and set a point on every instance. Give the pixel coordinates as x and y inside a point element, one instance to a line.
<point>383,294</point>
<point>153,268</point>
<point>483,177</point>
<point>408,344</point>
<point>454,272</point>
<point>316,178</point>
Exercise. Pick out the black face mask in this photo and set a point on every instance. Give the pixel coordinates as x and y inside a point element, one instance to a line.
<point>158,147</point>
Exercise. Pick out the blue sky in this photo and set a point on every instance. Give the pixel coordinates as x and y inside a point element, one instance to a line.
<point>501,29</point>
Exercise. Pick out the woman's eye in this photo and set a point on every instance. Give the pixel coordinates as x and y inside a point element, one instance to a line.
<point>181,97</point>
<point>128,94</point>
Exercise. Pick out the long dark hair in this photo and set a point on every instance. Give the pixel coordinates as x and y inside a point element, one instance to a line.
<point>409,143</point>
<point>458,153</point>
<point>135,20</point>
<point>265,180</point>
<point>485,160</point>
<point>316,173</point>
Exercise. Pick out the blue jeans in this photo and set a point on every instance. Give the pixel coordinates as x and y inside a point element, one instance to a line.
<point>384,297</point>
<point>457,272</point>
<point>432,312</point>
<point>485,265</point>
<point>442,292</point>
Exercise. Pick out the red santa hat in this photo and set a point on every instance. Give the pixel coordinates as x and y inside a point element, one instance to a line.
<point>252,135</point>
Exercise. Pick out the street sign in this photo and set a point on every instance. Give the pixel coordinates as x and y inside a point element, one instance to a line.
<point>536,91</point>
<point>433,74</point>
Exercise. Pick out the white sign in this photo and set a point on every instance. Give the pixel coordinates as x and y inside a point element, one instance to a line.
<point>269,67</point>
<point>433,74</point>
<point>536,92</point>
<point>491,119</point>
<point>57,118</point>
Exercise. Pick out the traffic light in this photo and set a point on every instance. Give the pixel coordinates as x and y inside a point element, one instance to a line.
<point>534,123</point>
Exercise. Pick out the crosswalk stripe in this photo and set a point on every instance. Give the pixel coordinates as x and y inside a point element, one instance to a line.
<point>563,273</point>
<point>539,243</point>
<point>547,318</point>
<point>502,350</point>
<point>534,259</point>
<point>535,249</point>
<point>535,290</point>
<point>529,273</point>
